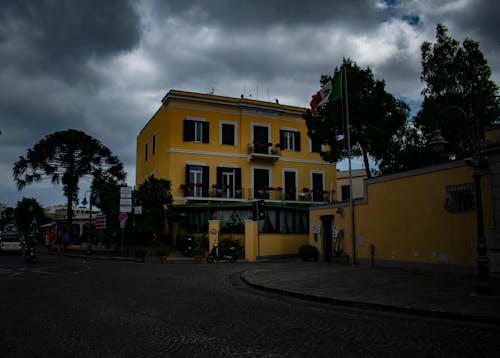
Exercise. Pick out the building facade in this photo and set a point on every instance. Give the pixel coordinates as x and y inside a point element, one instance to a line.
<point>222,154</point>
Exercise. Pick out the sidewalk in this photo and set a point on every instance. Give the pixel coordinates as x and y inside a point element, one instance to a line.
<point>432,294</point>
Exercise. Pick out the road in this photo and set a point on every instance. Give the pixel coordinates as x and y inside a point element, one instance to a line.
<point>73,307</point>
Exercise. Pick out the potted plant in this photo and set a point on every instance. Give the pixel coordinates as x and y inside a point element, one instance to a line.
<point>198,253</point>
<point>163,253</point>
<point>140,253</point>
<point>308,253</point>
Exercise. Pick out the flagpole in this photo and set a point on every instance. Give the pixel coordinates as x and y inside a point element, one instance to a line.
<point>348,130</point>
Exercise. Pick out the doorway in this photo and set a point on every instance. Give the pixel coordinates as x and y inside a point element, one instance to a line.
<point>327,236</point>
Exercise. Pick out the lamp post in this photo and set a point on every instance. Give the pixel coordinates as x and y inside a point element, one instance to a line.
<point>437,143</point>
<point>92,198</point>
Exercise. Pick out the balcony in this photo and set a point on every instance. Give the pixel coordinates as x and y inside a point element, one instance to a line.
<point>200,192</point>
<point>263,151</point>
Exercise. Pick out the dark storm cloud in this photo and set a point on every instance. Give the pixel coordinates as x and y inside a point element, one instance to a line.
<point>59,36</point>
<point>255,14</point>
<point>103,66</point>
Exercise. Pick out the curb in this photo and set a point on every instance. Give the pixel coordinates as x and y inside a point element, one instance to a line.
<point>374,306</point>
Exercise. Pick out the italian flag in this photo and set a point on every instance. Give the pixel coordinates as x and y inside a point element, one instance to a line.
<point>331,91</point>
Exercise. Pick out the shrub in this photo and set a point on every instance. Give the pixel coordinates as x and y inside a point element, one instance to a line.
<point>308,253</point>
<point>227,243</point>
<point>140,251</point>
<point>163,251</point>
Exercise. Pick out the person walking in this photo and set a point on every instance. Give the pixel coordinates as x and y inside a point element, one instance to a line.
<point>65,241</point>
<point>51,237</point>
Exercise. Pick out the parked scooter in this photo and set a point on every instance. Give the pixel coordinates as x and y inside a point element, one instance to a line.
<point>188,248</point>
<point>230,256</point>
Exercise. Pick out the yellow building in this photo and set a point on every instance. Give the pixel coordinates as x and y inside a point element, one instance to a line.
<point>221,154</point>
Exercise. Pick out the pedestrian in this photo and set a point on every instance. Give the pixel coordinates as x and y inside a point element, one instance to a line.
<point>51,236</point>
<point>65,241</point>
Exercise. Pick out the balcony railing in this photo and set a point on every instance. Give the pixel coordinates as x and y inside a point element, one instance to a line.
<point>263,151</point>
<point>237,193</point>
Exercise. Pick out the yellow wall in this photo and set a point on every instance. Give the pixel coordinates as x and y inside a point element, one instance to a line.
<point>276,244</point>
<point>404,217</point>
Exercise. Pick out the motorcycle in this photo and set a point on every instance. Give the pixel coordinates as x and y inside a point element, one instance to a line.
<point>188,248</point>
<point>29,253</point>
<point>231,255</point>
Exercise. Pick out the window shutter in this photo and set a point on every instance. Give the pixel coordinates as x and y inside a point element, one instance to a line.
<point>205,132</point>
<point>297,141</point>
<point>205,179</point>
<point>315,145</point>
<point>219,177</point>
<point>188,168</point>
<point>188,133</point>
<point>237,177</point>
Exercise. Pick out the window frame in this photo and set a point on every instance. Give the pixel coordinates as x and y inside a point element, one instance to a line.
<point>221,132</point>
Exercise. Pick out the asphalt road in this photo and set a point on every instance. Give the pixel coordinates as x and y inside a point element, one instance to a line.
<point>69,307</point>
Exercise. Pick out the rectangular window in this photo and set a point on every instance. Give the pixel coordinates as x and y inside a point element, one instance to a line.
<point>229,182</point>
<point>290,187</point>
<point>346,192</point>
<point>459,197</point>
<point>153,144</point>
<point>195,131</point>
<point>315,145</point>
<point>228,134</point>
<point>146,151</point>
<point>317,186</point>
<point>290,140</point>
<point>196,181</point>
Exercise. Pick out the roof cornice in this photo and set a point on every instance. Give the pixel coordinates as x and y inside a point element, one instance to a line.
<point>231,102</point>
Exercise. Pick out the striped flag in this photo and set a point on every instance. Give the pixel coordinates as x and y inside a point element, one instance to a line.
<point>331,91</point>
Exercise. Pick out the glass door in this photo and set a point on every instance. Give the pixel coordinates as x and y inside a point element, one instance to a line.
<point>228,185</point>
<point>261,183</point>
<point>260,139</point>
<point>196,179</point>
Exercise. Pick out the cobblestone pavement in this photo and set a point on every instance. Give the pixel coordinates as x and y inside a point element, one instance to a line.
<point>98,308</point>
<point>425,293</point>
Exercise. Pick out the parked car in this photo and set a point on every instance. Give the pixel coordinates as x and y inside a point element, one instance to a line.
<point>10,241</point>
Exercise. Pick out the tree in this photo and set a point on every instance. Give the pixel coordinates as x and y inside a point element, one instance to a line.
<point>66,157</point>
<point>155,197</point>
<point>455,76</point>
<point>375,117</point>
<point>6,217</point>
<point>105,195</point>
<point>29,214</point>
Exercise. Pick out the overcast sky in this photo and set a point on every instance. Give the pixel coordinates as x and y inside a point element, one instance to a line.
<point>103,66</point>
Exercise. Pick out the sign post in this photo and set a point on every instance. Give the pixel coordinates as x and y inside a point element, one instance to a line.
<point>123,220</point>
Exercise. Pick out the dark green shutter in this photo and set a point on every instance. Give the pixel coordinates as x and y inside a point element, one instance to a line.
<point>205,179</point>
<point>206,135</point>
<point>297,141</point>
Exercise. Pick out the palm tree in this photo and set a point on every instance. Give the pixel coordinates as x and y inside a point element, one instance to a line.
<point>66,157</point>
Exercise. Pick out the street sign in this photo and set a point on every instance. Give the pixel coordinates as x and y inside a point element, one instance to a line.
<point>126,199</point>
<point>100,221</point>
<point>123,217</point>
<point>125,192</point>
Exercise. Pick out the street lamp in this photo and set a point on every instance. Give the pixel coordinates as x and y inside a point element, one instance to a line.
<point>437,142</point>
<point>93,198</point>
